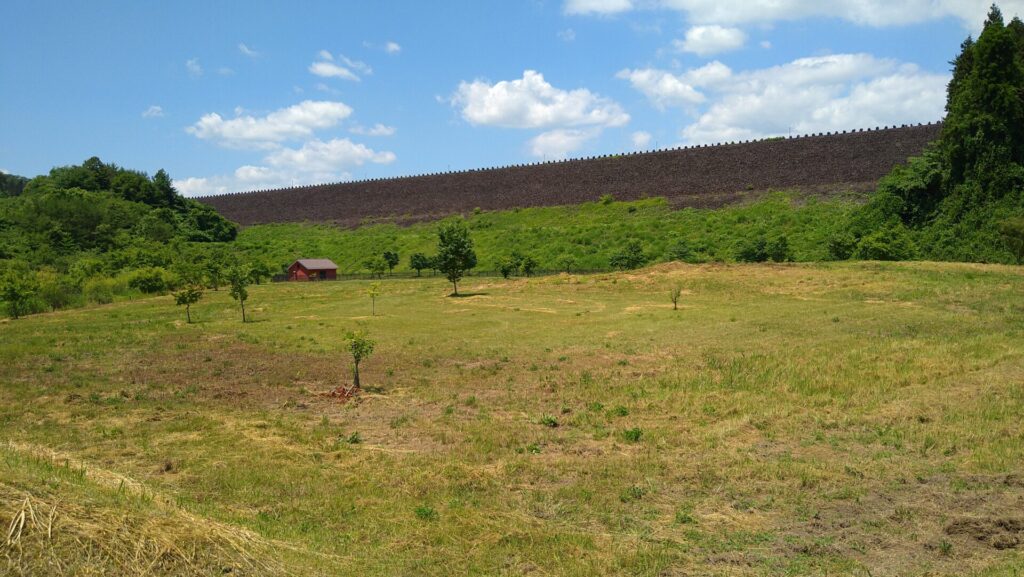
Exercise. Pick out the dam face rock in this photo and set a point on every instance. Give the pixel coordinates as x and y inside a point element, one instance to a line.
<point>698,176</point>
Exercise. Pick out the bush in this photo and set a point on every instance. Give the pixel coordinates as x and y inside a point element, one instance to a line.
<point>841,246</point>
<point>778,249</point>
<point>153,280</point>
<point>100,290</point>
<point>753,250</point>
<point>630,257</point>
<point>681,250</point>
<point>890,243</point>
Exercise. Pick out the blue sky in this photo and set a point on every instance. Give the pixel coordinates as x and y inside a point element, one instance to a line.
<point>230,96</point>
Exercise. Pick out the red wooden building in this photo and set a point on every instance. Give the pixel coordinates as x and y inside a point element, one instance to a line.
<point>313,269</point>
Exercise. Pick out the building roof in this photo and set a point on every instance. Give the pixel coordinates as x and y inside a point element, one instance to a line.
<point>316,264</point>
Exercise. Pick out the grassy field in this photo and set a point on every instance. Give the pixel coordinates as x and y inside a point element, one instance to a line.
<point>589,233</point>
<point>839,419</point>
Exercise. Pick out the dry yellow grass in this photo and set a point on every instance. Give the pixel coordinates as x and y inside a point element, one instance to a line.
<point>788,419</point>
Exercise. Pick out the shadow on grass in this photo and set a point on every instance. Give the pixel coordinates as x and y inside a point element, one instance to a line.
<point>463,295</point>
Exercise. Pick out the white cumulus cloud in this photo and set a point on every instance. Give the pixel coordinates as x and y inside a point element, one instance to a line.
<point>392,48</point>
<point>640,139</point>
<point>247,131</point>
<point>817,94</point>
<point>531,102</point>
<point>315,162</point>
<point>558,143</point>
<point>153,111</point>
<point>713,39</point>
<point>877,13</point>
<point>375,130</point>
<point>568,117</point>
<point>319,157</point>
<point>597,6</point>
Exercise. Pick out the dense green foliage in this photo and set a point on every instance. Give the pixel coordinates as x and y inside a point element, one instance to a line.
<point>11,184</point>
<point>95,230</point>
<point>455,254</point>
<point>574,238</point>
<point>949,203</point>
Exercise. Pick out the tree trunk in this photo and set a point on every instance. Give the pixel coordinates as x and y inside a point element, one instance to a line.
<point>355,375</point>
<point>243,310</point>
<point>373,307</point>
<point>188,315</point>
<point>456,287</point>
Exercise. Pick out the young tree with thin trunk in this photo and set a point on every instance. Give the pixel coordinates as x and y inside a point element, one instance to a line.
<point>239,278</point>
<point>188,296</point>
<point>455,253</point>
<point>677,291</point>
<point>361,347</point>
<point>373,291</point>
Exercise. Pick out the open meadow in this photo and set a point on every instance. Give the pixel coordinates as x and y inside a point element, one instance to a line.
<point>797,419</point>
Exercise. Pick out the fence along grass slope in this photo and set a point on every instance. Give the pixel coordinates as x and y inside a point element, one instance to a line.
<point>699,176</point>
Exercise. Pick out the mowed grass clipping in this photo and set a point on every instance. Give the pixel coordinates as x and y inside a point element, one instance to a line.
<point>840,419</point>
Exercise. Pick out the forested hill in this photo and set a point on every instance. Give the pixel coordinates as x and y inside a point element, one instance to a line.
<point>94,225</point>
<point>11,184</point>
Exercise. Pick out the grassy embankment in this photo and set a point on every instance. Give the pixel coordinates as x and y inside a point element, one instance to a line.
<point>788,419</point>
<point>589,233</point>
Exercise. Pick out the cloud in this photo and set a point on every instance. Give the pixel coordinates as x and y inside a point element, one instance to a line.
<point>817,94</point>
<point>319,157</point>
<point>666,89</point>
<point>597,6</point>
<point>332,70</point>
<point>247,51</point>
<point>877,13</point>
<point>567,35</point>
<point>531,102</point>
<point>195,70</point>
<point>376,130</point>
<point>707,40</point>
<point>640,139</point>
<point>328,68</point>
<point>247,131</point>
<point>558,143</point>
<point>392,48</point>
<point>153,111</point>
<point>316,162</point>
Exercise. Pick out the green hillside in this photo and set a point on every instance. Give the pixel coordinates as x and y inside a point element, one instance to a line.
<point>588,235</point>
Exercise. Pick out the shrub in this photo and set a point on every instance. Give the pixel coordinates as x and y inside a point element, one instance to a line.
<point>778,249</point>
<point>150,280</point>
<point>890,243</point>
<point>753,250</point>
<point>680,250</point>
<point>99,290</point>
<point>630,257</point>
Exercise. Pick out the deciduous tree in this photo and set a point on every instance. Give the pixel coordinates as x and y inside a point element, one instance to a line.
<point>189,296</point>
<point>455,253</point>
<point>238,279</point>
